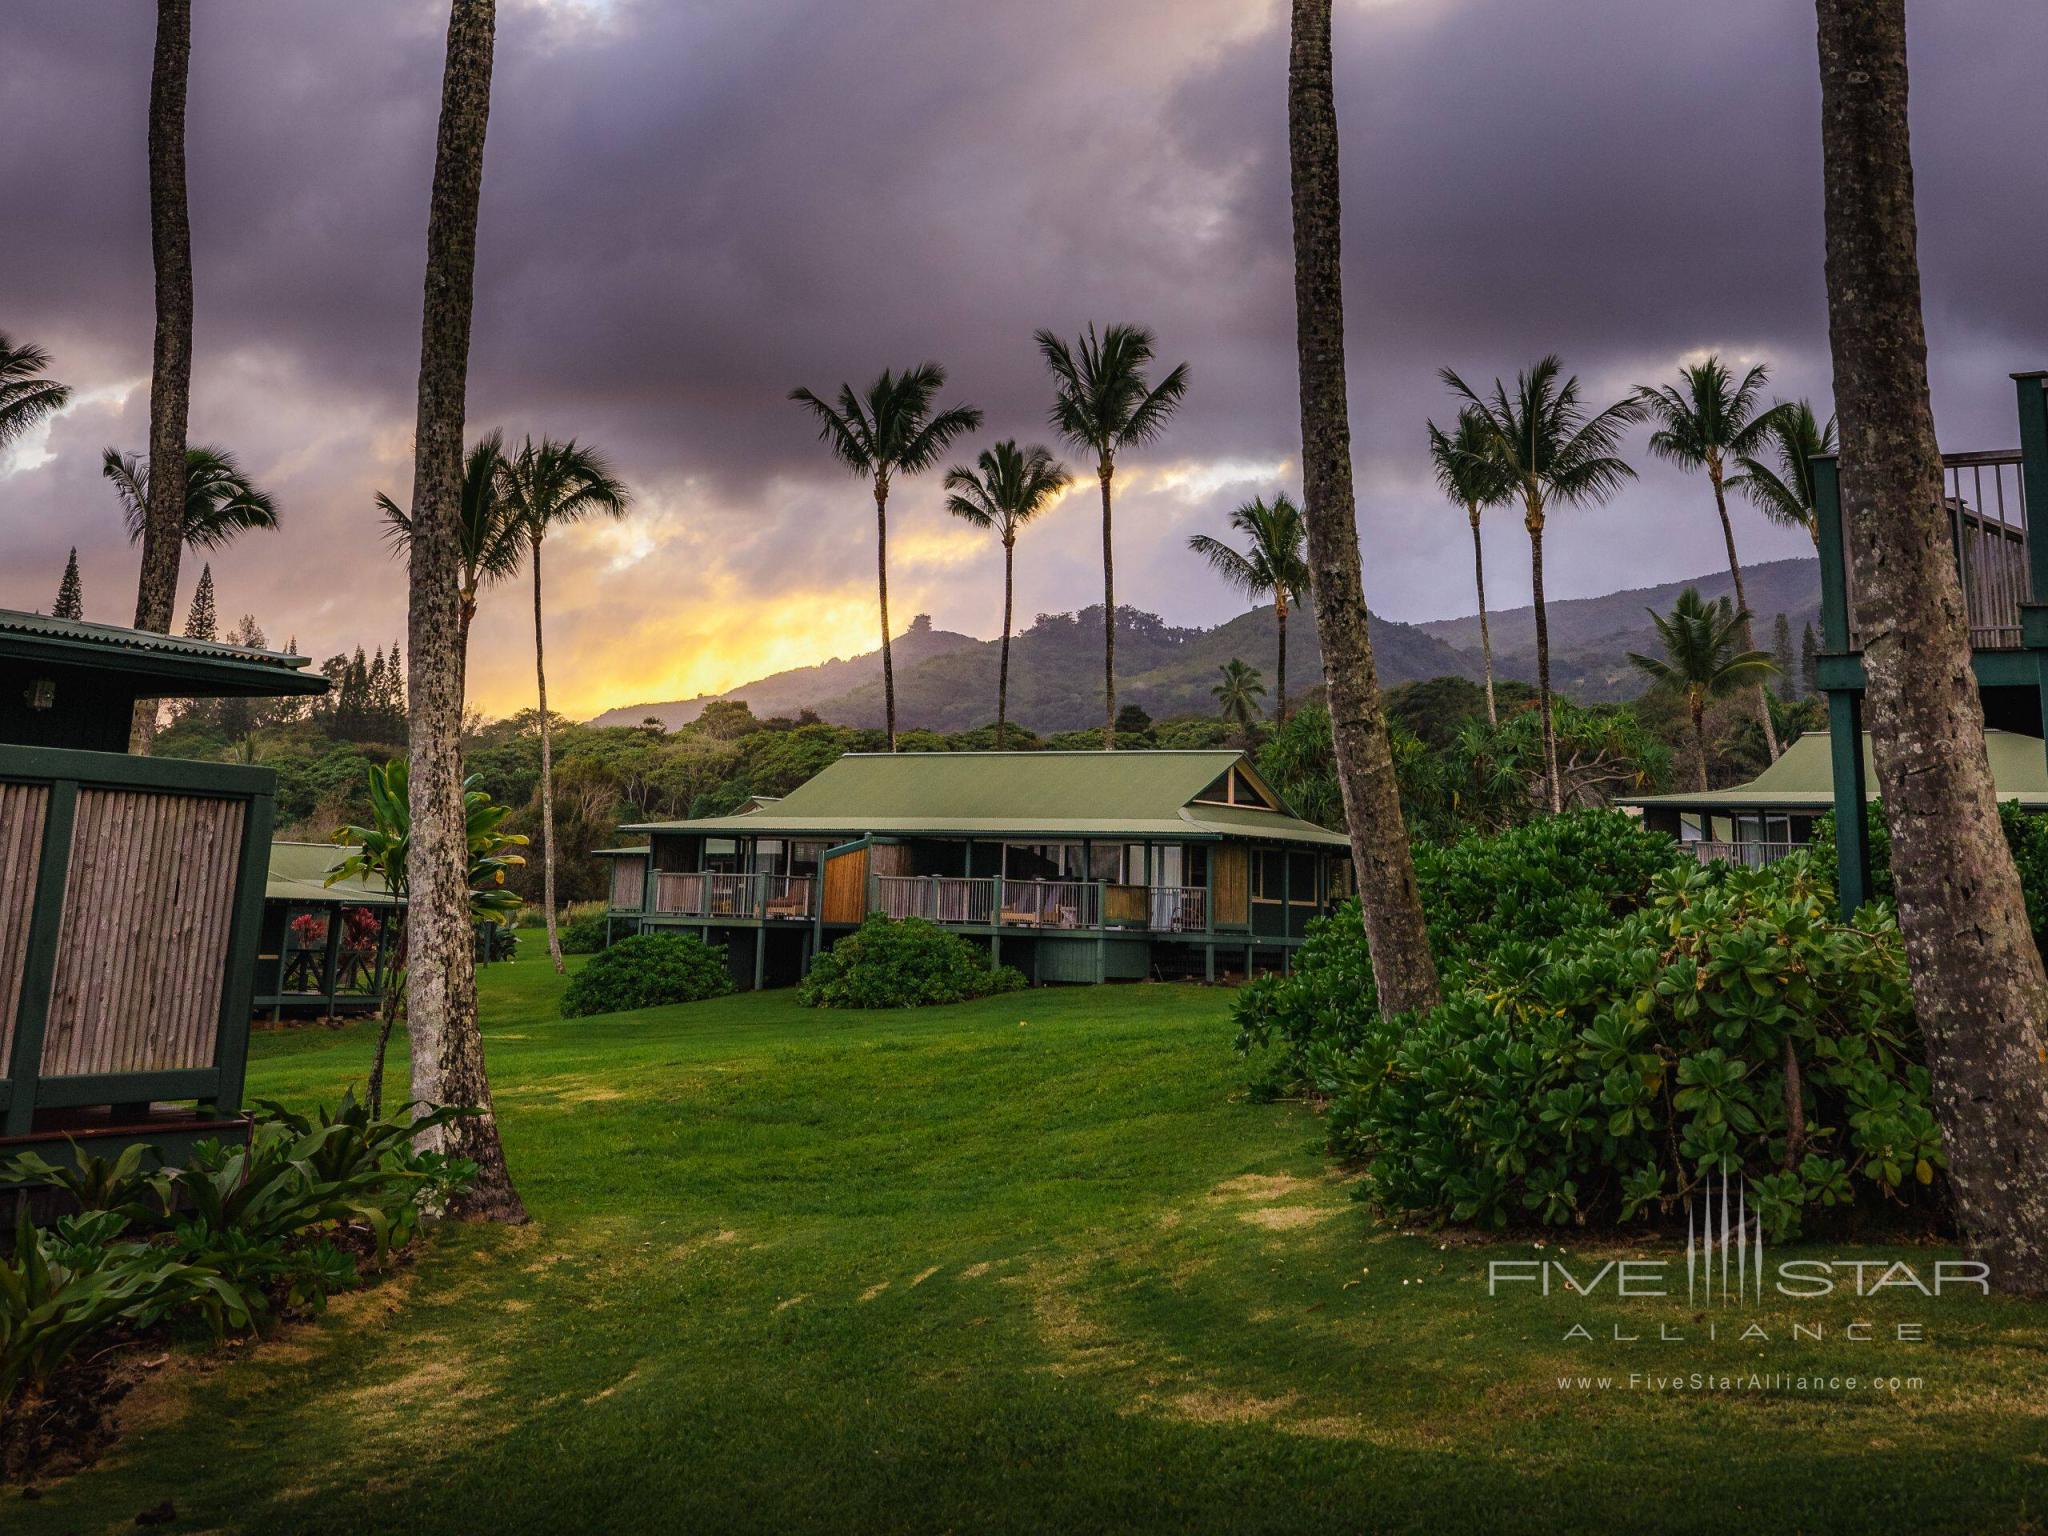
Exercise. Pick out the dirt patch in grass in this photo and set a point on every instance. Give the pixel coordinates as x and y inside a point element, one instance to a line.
<point>1286,1218</point>
<point>1260,1186</point>
<point>1211,1406</point>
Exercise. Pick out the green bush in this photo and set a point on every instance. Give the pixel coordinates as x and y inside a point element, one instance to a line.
<point>2026,834</point>
<point>587,935</point>
<point>907,964</point>
<point>1533,883</point>
<point>647,970</point>
<point>1599,1078</point>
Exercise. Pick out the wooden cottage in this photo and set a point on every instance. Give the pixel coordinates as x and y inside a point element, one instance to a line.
<point>131,888</point>
<point>324,949</point>
<point>1072,866</point>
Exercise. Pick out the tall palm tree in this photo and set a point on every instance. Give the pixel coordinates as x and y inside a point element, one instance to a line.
<point>1706,657</point>
<point>26,397</point>
<point>1978,989</point>
<point>493,540</point>
<point>1404,971</point>
<point>1237,696</point>
<point>221,502</point>
<point>1471,475</point>
<point>1705,420</point>
<point>1270,565</point>
<point>1785,494</point>
<point>549,485</point>
<point>889,431</point>
<point>1009,487</point>
<point>1553,454</point>
<point>170,378</point>
<point>447,1046</point>
<point>1103,403</point>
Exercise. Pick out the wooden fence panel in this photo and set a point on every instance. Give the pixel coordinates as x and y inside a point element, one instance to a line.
<point>142,952</point>
<point>629,884</point>
<point>1233,882</point>
<point>846,887</point>
<point>23,808</point>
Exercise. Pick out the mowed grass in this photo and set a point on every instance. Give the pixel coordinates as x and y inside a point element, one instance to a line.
<point>1029,1264</point>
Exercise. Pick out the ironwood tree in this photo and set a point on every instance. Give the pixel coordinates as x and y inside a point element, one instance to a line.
<point>1978,985</point>
<point>1404,972</point>
<point>447,1046</point>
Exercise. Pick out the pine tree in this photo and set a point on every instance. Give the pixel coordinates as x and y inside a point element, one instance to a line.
<point>200,623</point>
<point>1781,655</point>
<point>70,592</point>
<point>1809,661</point>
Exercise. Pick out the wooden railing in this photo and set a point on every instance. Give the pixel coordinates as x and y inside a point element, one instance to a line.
<point>1753,855</point>
<point>780,897</point>
<point>131,896</point>
<point>984,902</point>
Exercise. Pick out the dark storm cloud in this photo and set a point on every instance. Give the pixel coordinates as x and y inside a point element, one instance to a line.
<point>689,208</point>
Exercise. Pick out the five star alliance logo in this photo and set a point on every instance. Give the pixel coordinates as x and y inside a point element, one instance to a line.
<point>1716,1234</point>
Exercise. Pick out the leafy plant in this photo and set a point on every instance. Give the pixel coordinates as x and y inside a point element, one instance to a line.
<point>586,935</point>
<point>907,964</point>
<point>66,1283</point>
<point>647,970</point>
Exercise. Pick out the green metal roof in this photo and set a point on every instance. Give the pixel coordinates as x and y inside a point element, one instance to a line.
<point>196,668</point>
<point>298,872</point>
<point>1013,794</point>
<point>1803,778</point>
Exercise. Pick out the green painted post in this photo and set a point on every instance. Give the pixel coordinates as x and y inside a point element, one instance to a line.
<point>760,954</point>
<point>1852,838</point>
<point>330,962</point>
<point>231,1039</point>
<point>39,968</point>
<point>1208,962</point>
<point>2033,413</point>
<point>1834,583</point>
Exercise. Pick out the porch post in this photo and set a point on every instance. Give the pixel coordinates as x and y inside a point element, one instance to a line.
<point>331,961</point>
<point>760,953</point>
<point>1852,838</point>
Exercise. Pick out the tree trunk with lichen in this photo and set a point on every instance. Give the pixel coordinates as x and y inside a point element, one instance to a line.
<point>1758,702</point>
<point>447,1045</point>
<point>1485,637</point>
<point>1978,985</point>
<point>1404,971</point>
<point>1553,791</point>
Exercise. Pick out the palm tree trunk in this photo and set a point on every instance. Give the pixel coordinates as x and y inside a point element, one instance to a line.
<point>547,778</point>
<point>1763,705</point>
<point>1106,473</point>
<point>1698,709</point>
<point>1978,986</point>
<point>1280,617</point>
<point>1404,972</point>
<point>1485,639</point>
<point>447,1047</point>
<point>468,616</point>
<point>1549,724</point>
<point>882,582</point>
<point>170,377</point>
<point>1003,668</point>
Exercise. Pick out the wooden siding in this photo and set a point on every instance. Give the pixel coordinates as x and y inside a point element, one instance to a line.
<point>142,950</point>
<point>629,884</point>
<point>22,811</point>
<point>1126,904</point>
<point>846,887</point>
<point>891,859</point>
<point>1233,881</point>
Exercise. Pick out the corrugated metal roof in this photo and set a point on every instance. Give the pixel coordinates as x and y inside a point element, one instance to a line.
<point>298,872</point>
<point>1803,777</point>
<point>1012,794</point>
<point>14,621</point>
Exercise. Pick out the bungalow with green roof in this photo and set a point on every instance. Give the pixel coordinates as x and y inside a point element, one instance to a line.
<point>1072,866</point>
<point>323,948</point>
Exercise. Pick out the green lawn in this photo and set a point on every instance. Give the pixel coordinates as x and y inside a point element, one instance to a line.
<point>1022,1265</point>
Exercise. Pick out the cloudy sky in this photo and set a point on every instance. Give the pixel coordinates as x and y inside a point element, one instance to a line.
<point>692,205</point>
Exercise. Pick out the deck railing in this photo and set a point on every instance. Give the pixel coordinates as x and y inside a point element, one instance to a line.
<point>750,897</point>
<point>1752,855</point>
<point>1984,497</point>
<point>985,902</point>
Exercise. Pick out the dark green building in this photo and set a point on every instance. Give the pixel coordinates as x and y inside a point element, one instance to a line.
<point>1072,866</point>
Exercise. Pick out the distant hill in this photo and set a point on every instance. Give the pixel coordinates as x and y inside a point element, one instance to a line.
<point>1590,637</point>
<point>947,681</point>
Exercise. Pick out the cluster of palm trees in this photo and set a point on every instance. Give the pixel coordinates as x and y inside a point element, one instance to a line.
<point>1104,401</point>
<point>1538,446</point>
<point>510,502</point>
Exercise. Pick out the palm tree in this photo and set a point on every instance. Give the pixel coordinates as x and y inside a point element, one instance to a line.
<point>1404,971</point>
<point>1706,657</point>
<point>548,485</point>
<point>441,1018</point>
<point>1707,419</point>
<point>1271,565</point>
<point>1553,453</point>
<point>1785,494</point>
<point>26,397</point>
<point>890,431</point>
<point>170,377</point>
<point>1237,696</point>
<point>1010,487</point>
<point>1102,404</point>
<point>221,502</point>
<point>1978,990</point>
<point>1471,475</point>
<point>493,540</point>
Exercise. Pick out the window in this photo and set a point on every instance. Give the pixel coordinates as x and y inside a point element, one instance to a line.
<point>1301,888</point>
<point>1269,875</point>
<point>721,855</point>
<point>1237,788</point>
<point>1043,861</point>
<point>1106,862</point>
<point>1168,865</point>
<point>768,857</point>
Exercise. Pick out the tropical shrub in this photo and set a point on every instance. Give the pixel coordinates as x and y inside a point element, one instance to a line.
<point>586,935</point>
<point>2026,834</point>
<point>647,970</point>
<point>1597,1079</point>
<point>885,963</point>
<point>1529,884</point>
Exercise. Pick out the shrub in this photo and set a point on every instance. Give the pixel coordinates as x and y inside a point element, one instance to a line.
<point>587,935</point>
<point>907,964</point>
<point>1598,1078</point>
<point>2026,834</point>
<point>647,970</point>
<point>1533,883</point>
